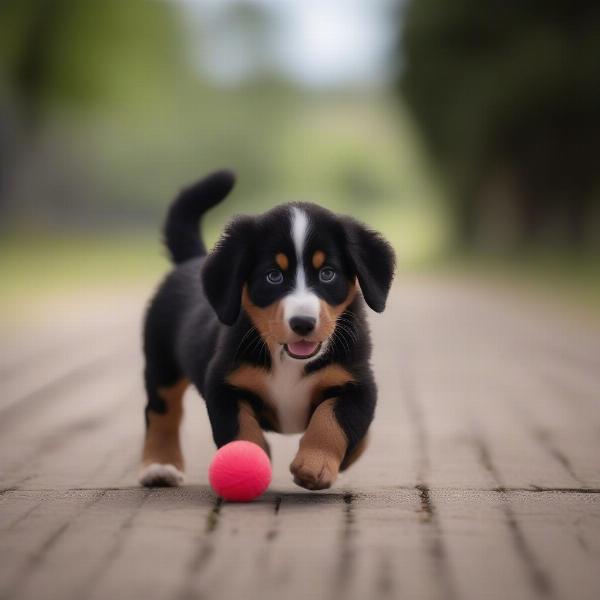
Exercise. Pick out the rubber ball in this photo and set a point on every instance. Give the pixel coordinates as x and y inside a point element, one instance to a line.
<point>240,471</point>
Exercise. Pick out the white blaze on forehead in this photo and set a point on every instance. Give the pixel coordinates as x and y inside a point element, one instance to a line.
<point>299,235</point>
<point>301,302</point>
<point>299,231</point>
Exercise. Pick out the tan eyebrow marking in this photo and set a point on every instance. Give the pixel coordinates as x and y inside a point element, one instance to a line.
<point>318,259</point>
<point>282,261</point>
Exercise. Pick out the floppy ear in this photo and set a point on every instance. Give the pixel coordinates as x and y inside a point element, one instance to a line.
<point>374,262</point>
<point>227,267</point>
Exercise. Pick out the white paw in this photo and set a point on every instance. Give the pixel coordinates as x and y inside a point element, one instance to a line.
<point>160,475</point>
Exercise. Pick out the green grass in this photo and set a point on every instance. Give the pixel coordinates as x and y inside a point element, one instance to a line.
<point>569,280</point>
<point>34,269</point>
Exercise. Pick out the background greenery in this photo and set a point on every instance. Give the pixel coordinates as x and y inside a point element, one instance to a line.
<point>105,113</point>
<point>507,95</point>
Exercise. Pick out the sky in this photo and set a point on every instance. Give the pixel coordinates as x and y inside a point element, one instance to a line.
<point>317,43</point>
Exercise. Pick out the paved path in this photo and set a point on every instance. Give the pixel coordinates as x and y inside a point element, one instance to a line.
<point>482,480</point>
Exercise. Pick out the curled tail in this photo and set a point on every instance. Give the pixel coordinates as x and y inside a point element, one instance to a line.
<point>181,230</point>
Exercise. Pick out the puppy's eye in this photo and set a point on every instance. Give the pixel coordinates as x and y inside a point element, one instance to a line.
<point>326,274</point>
<point>275,276</point>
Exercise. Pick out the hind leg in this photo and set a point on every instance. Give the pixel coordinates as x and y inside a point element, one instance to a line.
<point>162,459</point>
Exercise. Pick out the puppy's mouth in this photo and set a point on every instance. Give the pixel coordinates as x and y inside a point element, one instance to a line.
<point>303,349</point>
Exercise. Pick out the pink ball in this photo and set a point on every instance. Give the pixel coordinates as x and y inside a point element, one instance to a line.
<point>240,471</point>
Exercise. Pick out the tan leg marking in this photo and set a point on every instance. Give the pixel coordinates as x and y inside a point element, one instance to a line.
<point>322,449</point>
<point>162,459</point>
<point>253,379</point>
<point>282,261</point>
<point>318,259</point>
<point>250,430</point>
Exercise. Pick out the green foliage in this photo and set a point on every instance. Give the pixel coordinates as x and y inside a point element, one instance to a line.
<point>507,95</point>
<point>72,54</point>
<point>115,122</point>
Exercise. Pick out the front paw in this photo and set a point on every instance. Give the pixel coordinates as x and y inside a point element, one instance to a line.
<point>315,469</point>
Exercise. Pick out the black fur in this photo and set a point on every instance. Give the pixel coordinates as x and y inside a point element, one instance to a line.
<point>227,268</point>
<point>373,261</point>
<point>195,326</point>
<point>181,226</point>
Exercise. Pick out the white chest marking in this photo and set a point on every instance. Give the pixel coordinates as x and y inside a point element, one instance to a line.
<point>290,393</point>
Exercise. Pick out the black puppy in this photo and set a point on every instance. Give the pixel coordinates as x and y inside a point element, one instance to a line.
<point>270,328</point>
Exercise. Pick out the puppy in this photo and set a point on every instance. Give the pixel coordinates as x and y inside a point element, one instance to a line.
<point>270,328</point>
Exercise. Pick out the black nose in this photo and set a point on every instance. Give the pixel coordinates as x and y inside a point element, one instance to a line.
<point>302,325</point>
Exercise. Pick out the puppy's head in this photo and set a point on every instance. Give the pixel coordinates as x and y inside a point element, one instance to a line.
<point>294,270</point>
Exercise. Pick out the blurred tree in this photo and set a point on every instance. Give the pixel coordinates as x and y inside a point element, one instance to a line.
<point>104,113</point>
<point>66,56</point>
<point>83,54</point>
<point>507,95</point>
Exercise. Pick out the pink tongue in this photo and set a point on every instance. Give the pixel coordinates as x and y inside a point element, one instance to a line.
<point>302,348</point>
